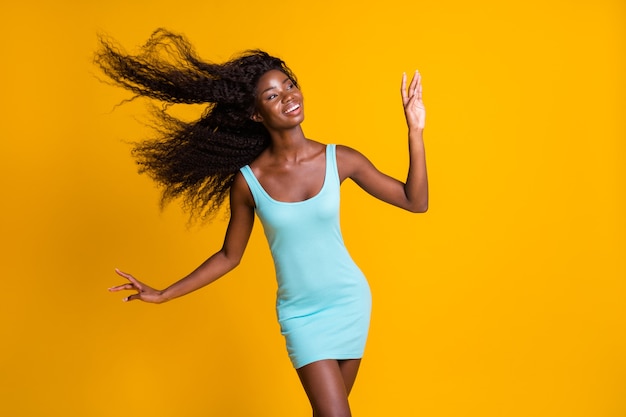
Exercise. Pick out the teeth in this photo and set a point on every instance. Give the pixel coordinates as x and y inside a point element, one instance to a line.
<point>292,108</point>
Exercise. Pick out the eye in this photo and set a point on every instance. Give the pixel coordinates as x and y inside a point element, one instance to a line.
<point>272,96</point>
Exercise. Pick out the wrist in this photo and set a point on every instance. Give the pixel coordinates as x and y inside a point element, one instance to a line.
<point>162,297</point>
<point>417,132</point>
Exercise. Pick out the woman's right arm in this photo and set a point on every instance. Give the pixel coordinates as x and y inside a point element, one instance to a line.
<point>220,263</point>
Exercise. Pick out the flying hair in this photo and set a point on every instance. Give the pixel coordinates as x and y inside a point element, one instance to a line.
<point>195,161</point>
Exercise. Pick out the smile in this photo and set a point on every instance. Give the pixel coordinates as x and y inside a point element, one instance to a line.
<point>292,108</point>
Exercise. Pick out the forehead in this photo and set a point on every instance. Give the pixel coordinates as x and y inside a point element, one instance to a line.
<point>272,78</point>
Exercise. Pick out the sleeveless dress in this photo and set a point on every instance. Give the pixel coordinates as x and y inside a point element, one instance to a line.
<point>323,300</point>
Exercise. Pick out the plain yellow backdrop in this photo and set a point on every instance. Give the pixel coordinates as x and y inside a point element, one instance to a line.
<point>505,299</point>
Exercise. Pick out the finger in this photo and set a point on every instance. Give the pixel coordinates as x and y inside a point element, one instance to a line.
<point>418,90</point>
<point>414,83</point>
<point>410,105</point>
<point>122,287</point>
<point>129,277</point>
<point>403,87</point>
<point>123,274</point>
<point>131,297</point>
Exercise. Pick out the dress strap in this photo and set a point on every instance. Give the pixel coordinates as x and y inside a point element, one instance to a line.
<point>253,184</point>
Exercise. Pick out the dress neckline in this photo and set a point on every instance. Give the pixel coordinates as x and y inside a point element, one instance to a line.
<point>272,199</point>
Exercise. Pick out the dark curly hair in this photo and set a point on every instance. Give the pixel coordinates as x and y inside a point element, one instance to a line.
<point>195,161</point>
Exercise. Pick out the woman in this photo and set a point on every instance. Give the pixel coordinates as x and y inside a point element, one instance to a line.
<point>249,146</point>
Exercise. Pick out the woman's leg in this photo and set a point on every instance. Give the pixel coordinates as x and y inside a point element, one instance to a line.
<point>349,368</point>
<point>327,384</point>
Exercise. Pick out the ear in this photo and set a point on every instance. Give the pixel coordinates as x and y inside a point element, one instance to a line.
<point>256,117</point>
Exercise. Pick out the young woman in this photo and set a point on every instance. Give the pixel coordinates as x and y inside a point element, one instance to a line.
<point>249,146</point>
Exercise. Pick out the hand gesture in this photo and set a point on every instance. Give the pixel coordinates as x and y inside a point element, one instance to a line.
<point>144,292</point>
<point>414,109</point>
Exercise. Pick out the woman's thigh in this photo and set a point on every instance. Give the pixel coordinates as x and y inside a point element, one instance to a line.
<point>326,388</point>
<point>349,369</point>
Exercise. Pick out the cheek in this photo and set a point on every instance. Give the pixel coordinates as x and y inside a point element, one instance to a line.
<point>267,114</point>
<point>260,109</point>
<point>271,109</point>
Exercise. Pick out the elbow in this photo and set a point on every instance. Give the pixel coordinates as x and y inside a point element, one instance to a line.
<point>235,263</point>
<point>416,203</point>
<point>232,261</point>
<point>418,208</point>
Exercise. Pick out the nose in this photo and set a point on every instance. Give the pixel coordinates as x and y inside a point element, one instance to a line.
<point>288,97</point>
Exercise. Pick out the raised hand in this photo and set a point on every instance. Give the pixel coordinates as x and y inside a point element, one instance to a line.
<point>144,292</point>
<point>414,109</point>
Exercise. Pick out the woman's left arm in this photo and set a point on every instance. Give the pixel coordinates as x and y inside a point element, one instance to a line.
<point>411,195</point>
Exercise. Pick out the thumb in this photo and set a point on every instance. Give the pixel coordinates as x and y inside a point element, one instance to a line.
<point>131,297</point>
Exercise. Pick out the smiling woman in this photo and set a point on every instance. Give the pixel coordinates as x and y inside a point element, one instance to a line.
<point>279,101</point>
<point>249,144</point>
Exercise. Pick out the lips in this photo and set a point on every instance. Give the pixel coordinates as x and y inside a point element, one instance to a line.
<point>292,108</point>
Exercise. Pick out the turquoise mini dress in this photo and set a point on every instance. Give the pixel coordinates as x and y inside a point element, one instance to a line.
<point>323,300</point>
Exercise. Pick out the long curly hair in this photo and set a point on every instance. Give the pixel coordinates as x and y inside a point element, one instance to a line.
<point>194,161</point>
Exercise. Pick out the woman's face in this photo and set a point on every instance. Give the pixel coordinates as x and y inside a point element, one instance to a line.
<point>278,101</point>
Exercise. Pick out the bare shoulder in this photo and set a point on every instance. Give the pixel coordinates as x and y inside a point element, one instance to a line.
<point>350,161</point>
<point>240,191</point>
<point>348,154</point>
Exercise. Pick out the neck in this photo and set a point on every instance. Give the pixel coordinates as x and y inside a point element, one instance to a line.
<point>288,143</point>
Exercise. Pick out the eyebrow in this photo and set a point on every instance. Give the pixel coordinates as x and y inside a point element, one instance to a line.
<point>271,88</point>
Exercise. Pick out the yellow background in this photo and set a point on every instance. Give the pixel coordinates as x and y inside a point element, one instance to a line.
<point>505,299</point>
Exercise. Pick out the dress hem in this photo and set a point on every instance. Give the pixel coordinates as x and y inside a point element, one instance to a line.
<point>342,357</point>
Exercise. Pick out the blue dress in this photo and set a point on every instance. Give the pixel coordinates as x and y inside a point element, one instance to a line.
<point>323,299</point>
